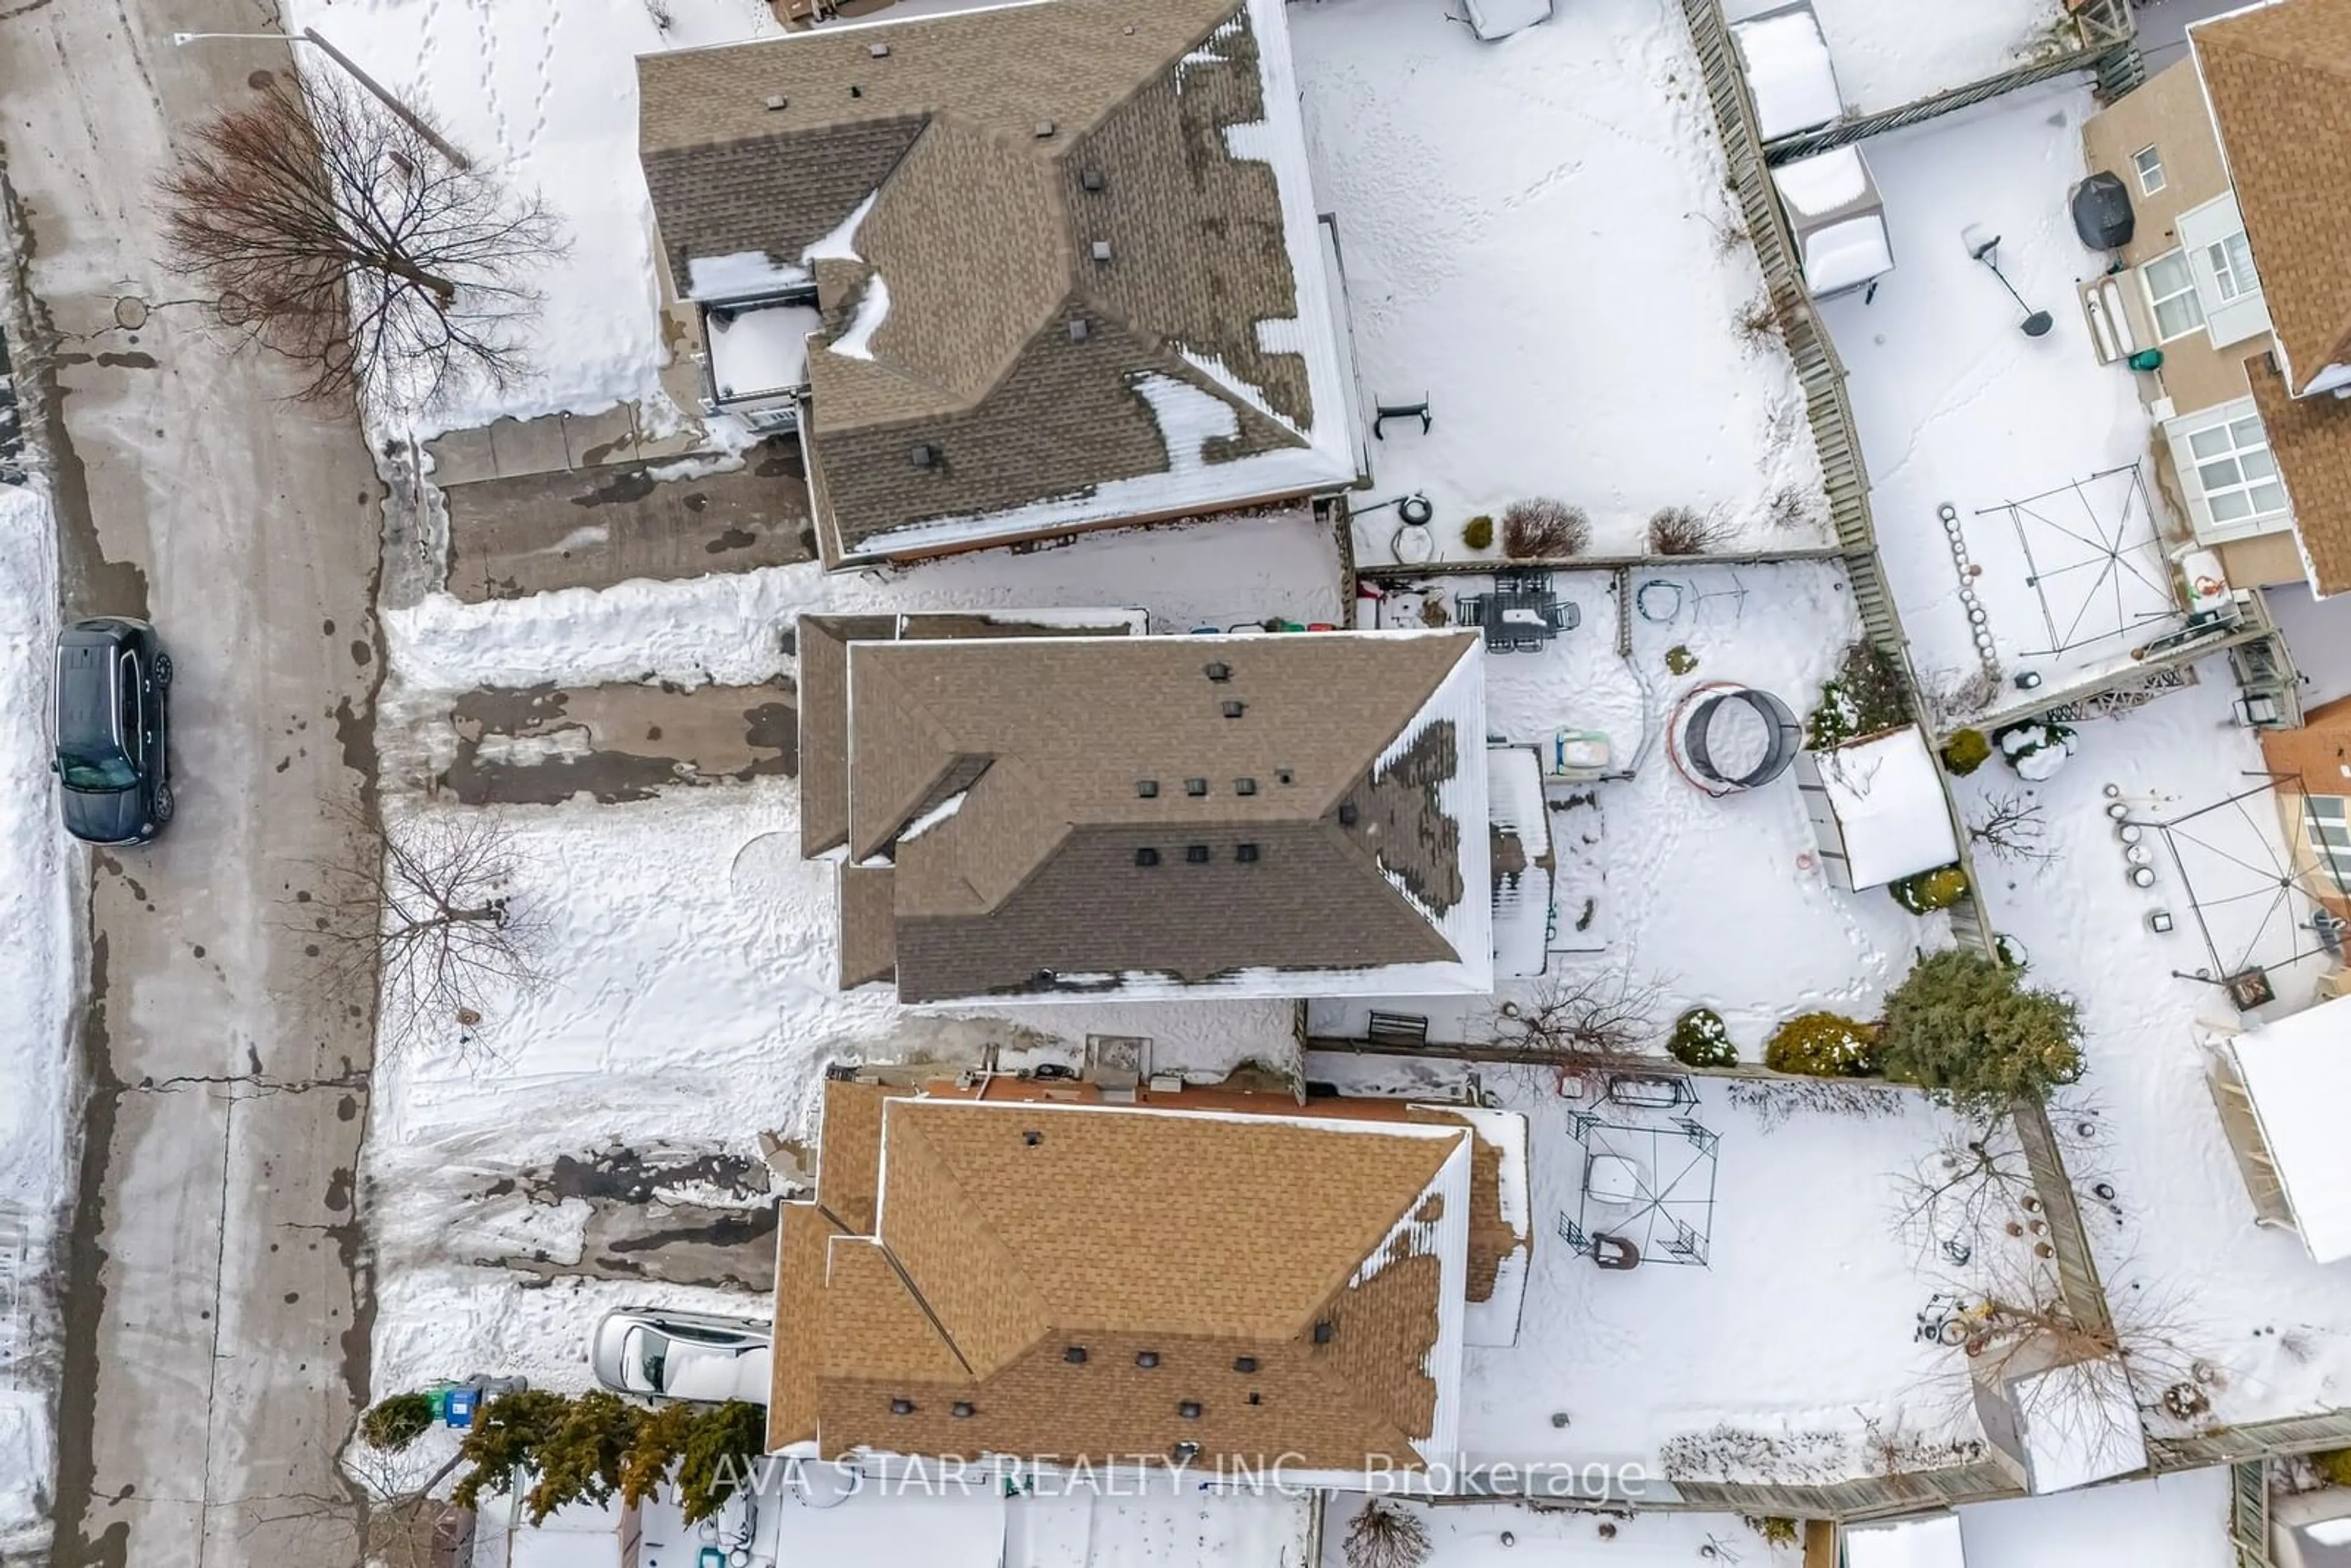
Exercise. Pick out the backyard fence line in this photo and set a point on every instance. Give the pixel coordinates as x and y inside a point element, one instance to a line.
<point>2108,50</point>
<point>1403,572</point>
<point>2077,1272</point>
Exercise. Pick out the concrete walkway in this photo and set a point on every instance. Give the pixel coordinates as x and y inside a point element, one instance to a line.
<point>592,528</point>
<point>216,1308</point>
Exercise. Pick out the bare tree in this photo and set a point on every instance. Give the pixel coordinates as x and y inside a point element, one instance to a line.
<point>1974,1189</point>
<point>320,225</point>
<point>2012,829</point>
<point>1598,1015</point>
<point>1386,1535</point>
<point>1685,531</point>
<point>425,911</point>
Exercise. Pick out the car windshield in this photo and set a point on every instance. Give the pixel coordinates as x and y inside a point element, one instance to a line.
<point>112,771</point>
<point>642,1360</point>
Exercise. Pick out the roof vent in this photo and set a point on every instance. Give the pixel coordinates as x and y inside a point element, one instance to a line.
<point>1346,813</point>
<point>1146,856</point>
<point>1196,785</point>
<point>902,1407</point>
<point>1185,1453</point>
<point>963,1410</point>
<point>923,454</point>
<point>1243,785</point>
<point>1218,671</point>
<point>1189,1409</point>
<point>1044,129</point>
<point>1234,709</point>
<point>778,101</point>
<point>1032,1137</point>
<point>1195,855</point>
<point>1147,787</point>
<point>1102,250</point>
<point>1146,1359</point>
<point>856,92</point>
<point>1285,776</point>
<point>1255,1397</point>
<point>1244,1363</point>
<point>1092,179</point>
<point>1080,328</point>
<point>1245,853</point>
<point>879,51</point>
<point>1323,1332</point>
<point>1075,1355</point>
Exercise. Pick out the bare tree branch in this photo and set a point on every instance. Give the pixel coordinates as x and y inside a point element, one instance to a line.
<point>324,227</point>
<point>1596,1015</point>
<point>2012,829</point>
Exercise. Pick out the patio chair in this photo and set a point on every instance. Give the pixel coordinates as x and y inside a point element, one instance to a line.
<point>1614,1252</point>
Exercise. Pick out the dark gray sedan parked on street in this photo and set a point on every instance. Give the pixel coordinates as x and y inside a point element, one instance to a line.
<point>113,682</point>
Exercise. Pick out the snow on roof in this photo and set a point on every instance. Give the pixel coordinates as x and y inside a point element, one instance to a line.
<point>1844,255</point>
<point>1494,1321</point>
<point>2297,1072</point>
<point>1889,806</point>
<point>763,351</point>
<point>2084,1429</point>
<point>1789,71</point>
<point>1816,187</point>
<point>1492,19</point>
<point>1929,1542</point>
<point>1523,899</point>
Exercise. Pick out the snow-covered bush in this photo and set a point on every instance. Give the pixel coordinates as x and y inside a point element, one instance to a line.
<point>1930,890</point>
<point>1823,1045</point>
<point>1541,528</point>
<point>2036,748</point>
<point>393,1424</point>
<point>1967,751</point>
<point>1478,533</point>
<point>1965,1027</point>
<point>1700,1039</point>
<point>1679,660</point>
<point>1863,697</point>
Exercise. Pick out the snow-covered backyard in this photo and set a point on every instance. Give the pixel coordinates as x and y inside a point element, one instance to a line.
<point>2176,1241</point>
<point>36,975</point>
<point>1502,1537</point>
<point>1890,52</point>
<point>1538,239</point>
<point>1655,872</point>
<point>2040,450</point>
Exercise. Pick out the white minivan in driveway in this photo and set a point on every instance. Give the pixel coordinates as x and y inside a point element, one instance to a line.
<point>660,1354</point>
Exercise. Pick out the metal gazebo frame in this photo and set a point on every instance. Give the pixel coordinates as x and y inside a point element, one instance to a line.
<point>2279,883</point>
<point>2111,556</point>
<point>1675,1198</point>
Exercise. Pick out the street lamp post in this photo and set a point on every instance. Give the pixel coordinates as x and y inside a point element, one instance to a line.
<point>375,89</point>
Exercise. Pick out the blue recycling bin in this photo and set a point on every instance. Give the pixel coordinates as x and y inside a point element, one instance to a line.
<point>458,1405</point>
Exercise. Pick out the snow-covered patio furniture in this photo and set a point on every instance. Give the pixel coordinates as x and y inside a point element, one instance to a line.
<point>1522,614</point>
<point>1647,1188</point>
<point>1839,219</point>
<point>1493,19</point>
<point>1877,809</point>
<point>1788,73</point>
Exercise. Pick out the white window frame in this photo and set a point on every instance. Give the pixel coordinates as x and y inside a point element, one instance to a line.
<point>2228,295</point>
<point>2181,432</point>
<point>2149,183</point>
<point>2231,258</point>
<point>2187,290</point>
<point>2326,828</point>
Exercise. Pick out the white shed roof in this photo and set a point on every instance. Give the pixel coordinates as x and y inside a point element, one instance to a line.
<point>1889,806</point>
<point>1788,70</point>
<point>2297,1072</point>
<point>2084,1429</point>
<point>1929,1542</point>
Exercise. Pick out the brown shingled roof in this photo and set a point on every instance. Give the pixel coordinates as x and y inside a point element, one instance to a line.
<point>2311,438</point>
<point>1011,1231</point>
<point>2279,81</point>
<point>1025,390</point>
<point>1055,866</point>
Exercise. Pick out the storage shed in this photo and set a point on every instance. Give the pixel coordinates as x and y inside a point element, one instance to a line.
<point>1788,70</point>
<point>2282,1089</point>
<point>1878,808</point>
<point>1839,219</point>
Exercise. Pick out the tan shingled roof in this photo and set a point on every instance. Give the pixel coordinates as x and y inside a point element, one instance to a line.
<point>942,131</point>
<point>1009,1251</point>
<point>869,929</point>
<point>802,1232</point>
<point>2311,438</point>
<point>2279,80</point>
<point>1037,871</point>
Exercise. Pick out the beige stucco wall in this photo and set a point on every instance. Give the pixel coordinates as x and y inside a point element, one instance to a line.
<point>2168,113</point>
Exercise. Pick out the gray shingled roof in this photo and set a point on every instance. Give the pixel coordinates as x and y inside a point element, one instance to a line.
<point>1015,786</point>
<point>942,131</point>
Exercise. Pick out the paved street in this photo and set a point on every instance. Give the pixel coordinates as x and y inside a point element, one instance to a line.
<point>215,1341</point>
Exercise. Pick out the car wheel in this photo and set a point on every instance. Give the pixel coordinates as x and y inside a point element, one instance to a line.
<point>162,804</point>
<point>163,669</point>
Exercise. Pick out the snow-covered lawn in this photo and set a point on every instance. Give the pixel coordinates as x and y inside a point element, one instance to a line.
<point>1502,1536</point>
<point>2177,1244</point>
<point>1957,406</point>
<point>546,95</point>
<point>1670,872</point>
<point>37,977</point>
<point>2176,1521</point>
<point>1537,237</point>
<point>1889,52</point>
<point>1800,1327</point>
